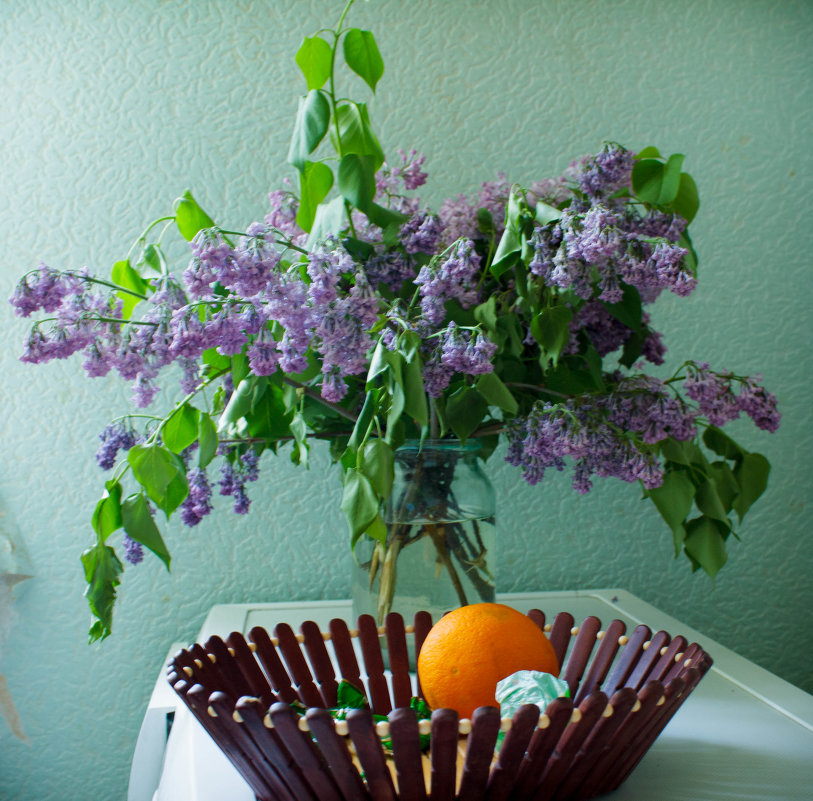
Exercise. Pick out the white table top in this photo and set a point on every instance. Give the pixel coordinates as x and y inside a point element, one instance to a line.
<point>743,735</point>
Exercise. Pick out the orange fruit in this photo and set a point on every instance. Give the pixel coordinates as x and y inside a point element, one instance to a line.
<point>470,649</point>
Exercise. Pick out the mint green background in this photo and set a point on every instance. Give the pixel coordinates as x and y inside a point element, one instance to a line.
<point>110,110</point>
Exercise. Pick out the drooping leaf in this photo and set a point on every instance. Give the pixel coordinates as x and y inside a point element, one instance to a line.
<point>722,444</point>
<point>705,544</point>
<point>414,393</point>
<point>647,177</point>
<point>310,127</point>
<point>357,180</point>
<point>687,200</point>
<point>385,218</point>
<point>190,217</point>
<point>315,181</point>
<point>207,440</point>
<point>360,503</point>
<point>673,499</point>
<point>544,213</point>
<point>551,329</point>
<point>356,133</point>
<point>107,514</point>
<point>313,58</point>
<point>377,464</point>
<point>181,429</point>
<point>363,57</point>
<point>243,399</point>
<point>299,429</point>
<point>671,179</point>
<point>492,388</point>
<point>161,473</point>
<point>140,526</point>
<point>628,310</point>
<point>465,410</point>
<point>709,503</point>
<point>102,570</point>
<point>329,220</point>
<point>152,263</point>
<point>752,476</point>
<point>725,483</point>
<point>510,243</point>
<point>363,421</point>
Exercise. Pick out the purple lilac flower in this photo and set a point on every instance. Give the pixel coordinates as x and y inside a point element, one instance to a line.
<point>115,437</point>
<point>453,278</point>
<point>713,393</point>
<point>606,172</point>
<point>233,478</point>
<point>326,265</point>
<point>282,217</point>
<point>263,356</point>
<point>197,503</point>
<point>606,333</point>
<point>421,233</point>
<point>144,390</point>
<point>458,219</point>
<point>390,269</point>
<point>759,404</point>
<point>44,289</point>
<point>644,405</point>
<point>388,178</point>
<point>133,551</point>
<point>493,197</point>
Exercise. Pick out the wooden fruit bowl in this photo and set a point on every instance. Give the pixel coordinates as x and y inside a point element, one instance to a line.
<point>249,695</point>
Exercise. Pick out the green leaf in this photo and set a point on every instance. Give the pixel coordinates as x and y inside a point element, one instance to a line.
<point>315,181</point>
<point>510,242</point>
<point>647,177</point>
<point>356,133</point>
<point>551,329</point>
<point>485,223</point>
<point>299,454</point>
<point>709,503</point>
<point>357,180</point>
<point>673,499</point>
<point>362,56</point>
<point>544,213</point>
<point>628,310</point>
<point>190,217</point>
<point>363,421</point>
<point>722,444</point>
<point>125,276</point>
<point>102,570</point>
<point>312,120</point>
<point>377,463</point>
<point>491,387</point>
<point>486,315</point>
<point>269,418</point>
<point>152,261</point>
<point>107,514</point>
<point>243,399</point>
<point>650,152</point>
<point>181,429</point>
<point>140,526</point>
<point>314,57</point>
<point>329,220</point>
<point>378,364</point>
<point>161,473</point>
<point>360,503</point>
<point>350,697</point>
<point>752,476</point>
<point>207,440</point>
<point>682,452</point>
<point>687,200</point>
<point>706,544</point>
<point>465,410</point>
<point>671,179</point>
<point>384,218</point>
<point>726,484</point>
<point>414,393</point>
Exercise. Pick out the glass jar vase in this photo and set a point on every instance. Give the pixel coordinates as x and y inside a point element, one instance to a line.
<point>440,548</point>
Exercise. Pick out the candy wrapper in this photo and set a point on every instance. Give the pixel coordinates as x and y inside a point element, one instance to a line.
<point>528,687</point>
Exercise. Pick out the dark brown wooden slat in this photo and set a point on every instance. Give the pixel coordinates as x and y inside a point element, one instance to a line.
<point>485,726</point>
<point>569,744</point>
<point>538,617</point>
<point>268,657</point>
<point>334,750</point>
<point>600,664</point>
<point>233,682</point>
<point>423,625</point>
<point>598,739</point>
<point>255,769</point>
<point>443,755</point>
<point>560,635</point>
<point>345,653</point>
<point>370,755</point>
<point>580,652</point>
<point>298,668</point>
<point>692,652</point>
<point>320,662</point>
<point>204,671</point>
<point>374,665</point>
<point>543,741</point>
<point>600,778</point>
<point>504,774</point>
<point>269,742</point>
<point>399,660</point>
<point>252,674</point>
<point>626,660</point>
<point>649,657</point>
<point>315,772</point>
<point>406,747</point>
<point>667,660</point>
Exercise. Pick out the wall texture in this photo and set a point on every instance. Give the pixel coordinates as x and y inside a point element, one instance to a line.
<point>110,110</point>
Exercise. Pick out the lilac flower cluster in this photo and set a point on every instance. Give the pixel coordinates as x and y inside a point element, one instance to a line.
<point>604,173</point>
<point>717,399</point>
<point>389,178</point>
<point>45,289</point>
<point>234,476</point>
<point>458,214</point>
<point>197,503</point>
<point>455,277</point>
<point>133,551</point>
<point>459,352</point>
<point>582,432</point>
<point>115,437</point>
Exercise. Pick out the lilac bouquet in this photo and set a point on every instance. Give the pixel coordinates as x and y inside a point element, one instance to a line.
<point>353,313</point>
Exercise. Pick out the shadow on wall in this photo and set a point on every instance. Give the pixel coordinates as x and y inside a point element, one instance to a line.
<point>15,568</point>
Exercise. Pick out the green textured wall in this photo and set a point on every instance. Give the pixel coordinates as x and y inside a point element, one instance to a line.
<point>110,110</point>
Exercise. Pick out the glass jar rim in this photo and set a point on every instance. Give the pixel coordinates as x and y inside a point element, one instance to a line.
<point>471,445</point>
